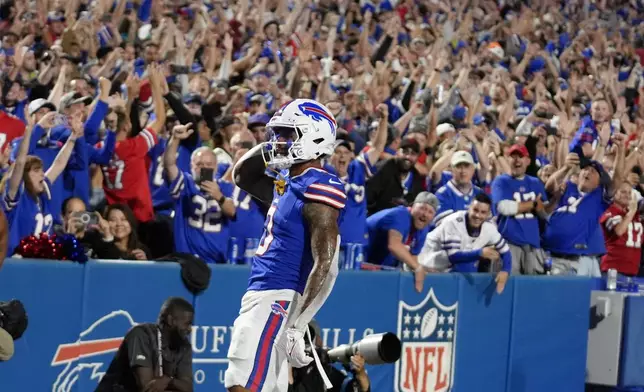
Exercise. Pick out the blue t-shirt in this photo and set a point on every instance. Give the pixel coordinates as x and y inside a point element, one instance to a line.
<point>284,259</point>
<point>520,229</point>
<point>379,224</point>
<point>574,229</point>
<point>200,227</point>
<point>452,200</point>
<point>247,227</point>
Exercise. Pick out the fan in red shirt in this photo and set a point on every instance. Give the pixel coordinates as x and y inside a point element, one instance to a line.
<point>622,228</point>
<point>125,179</point>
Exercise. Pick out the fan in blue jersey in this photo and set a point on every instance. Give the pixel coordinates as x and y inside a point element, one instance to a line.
<point>459,192</point>
<point>247,227</point>
<point>398,234</point>
<point>27,199</point>
<point>203,205</point>
<point>354,173</point>
<point>519,203</point>
<point>294,269</point>
<point>573,235</point>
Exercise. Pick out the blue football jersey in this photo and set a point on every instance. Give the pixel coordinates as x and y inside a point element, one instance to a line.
<point>161,198</point>
<point>452,200</point>
<point>200,227</point>
<point>379,224</point>
<point>247,228</point>
<point>574,229</point>
<point>284,259</point>
<point>27,216</point>
<point>520,229</point>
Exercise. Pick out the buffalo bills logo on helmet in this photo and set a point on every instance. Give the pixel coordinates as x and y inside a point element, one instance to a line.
<point>317,113</point>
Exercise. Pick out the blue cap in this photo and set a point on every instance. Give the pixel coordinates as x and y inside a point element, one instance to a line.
<point>604,177</point>
<point>459,113</point>
<point>478,119</point>
<point>258,119</point>
<point>537,64</point>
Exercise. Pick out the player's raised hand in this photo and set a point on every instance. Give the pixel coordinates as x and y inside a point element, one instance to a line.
<point>501,279</point>
<point>181,132</point>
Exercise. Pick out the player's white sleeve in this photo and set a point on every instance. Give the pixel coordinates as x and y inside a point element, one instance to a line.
<point>433,255</point>
<point>496,240</point>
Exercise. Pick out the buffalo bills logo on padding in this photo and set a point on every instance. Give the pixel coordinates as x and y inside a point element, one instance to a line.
<point>317,113</point>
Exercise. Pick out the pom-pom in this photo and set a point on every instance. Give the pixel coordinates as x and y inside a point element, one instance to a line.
<point>65,247</point>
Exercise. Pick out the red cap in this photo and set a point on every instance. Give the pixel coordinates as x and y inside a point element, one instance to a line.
<point>520,148</point>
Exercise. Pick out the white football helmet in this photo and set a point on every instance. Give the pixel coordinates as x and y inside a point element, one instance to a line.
<point>313,129</point>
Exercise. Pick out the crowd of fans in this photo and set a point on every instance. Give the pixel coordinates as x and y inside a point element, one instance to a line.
<point>137,110</point>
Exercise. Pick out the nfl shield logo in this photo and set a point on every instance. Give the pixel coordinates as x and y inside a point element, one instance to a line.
<point>428,335</point>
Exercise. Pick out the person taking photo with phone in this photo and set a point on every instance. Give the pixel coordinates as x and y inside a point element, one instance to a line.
<point>203,205</point>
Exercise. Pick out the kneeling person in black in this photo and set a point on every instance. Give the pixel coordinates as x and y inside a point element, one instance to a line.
<point>137,366</point>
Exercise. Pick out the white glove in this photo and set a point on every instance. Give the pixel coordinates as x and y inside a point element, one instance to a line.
<point>295,348</point>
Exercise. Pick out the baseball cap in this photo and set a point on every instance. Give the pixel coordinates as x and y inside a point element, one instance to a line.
<point>427,198</point>
<point>259,98</point>
<point>411,144</point>
<point>38,104</point>
<point>478,119</point>
<point>258,119</point>
<point>73,98</point>
<point>462,157</point>
<point>444,128</point>
<point>604,177</point>
<point>519,148</point>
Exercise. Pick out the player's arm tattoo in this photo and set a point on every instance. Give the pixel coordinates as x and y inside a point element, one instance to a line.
<point>322,221</point>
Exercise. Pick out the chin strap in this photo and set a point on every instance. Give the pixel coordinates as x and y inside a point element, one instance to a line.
<point>318,363</point>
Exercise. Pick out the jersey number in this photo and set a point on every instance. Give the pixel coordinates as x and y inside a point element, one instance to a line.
<point>202,218</point>
<point>573,203</point>
<point>118,166</point>
<point>158,174</point>
<point>244,204</point>
<point>358,192</point>
<point>43,223</point>
<point>634,235</point>
<point>267,238</point>
<point>521,197</point>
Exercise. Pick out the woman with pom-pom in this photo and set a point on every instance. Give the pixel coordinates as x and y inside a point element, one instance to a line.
<point>27,196</point>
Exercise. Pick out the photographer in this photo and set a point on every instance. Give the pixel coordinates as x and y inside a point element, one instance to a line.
<point>353,378</point>
<point>89,228</point>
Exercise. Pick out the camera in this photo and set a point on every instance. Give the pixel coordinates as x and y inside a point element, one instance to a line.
<point>376,349</point>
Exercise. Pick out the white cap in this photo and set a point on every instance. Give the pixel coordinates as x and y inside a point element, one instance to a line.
<point>462,157</point>
<point>444,128</point>
<point>39,103</point>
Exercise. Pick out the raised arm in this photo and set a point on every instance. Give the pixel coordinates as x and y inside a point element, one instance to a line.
<point>380,139</point>
<point>21,158</point>
<point>63,155</point>
<point>156,84</point>
<point>179,132</point>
